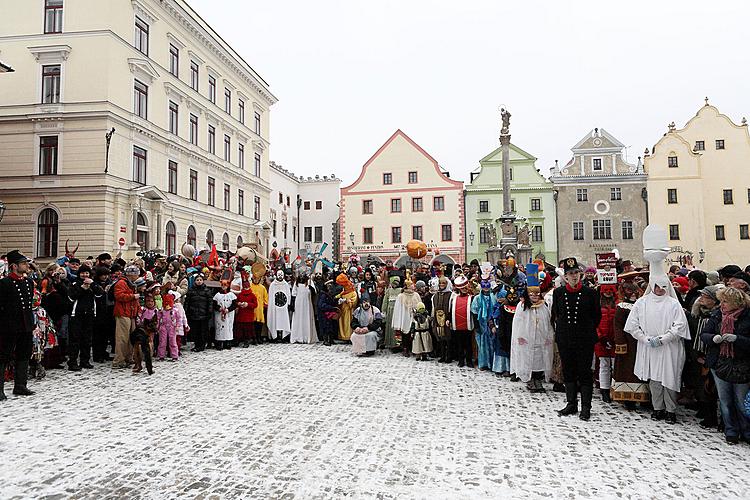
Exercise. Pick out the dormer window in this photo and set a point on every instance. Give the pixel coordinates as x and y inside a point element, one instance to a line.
<point>596,164</point>
<point>672,161</point>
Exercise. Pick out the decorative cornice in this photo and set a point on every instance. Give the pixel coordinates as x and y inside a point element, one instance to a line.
<point>195,57</point>
<point>143,12</point>
<point>173,91</point>
<point>141,67</point>
<point>51,53</point>
<point>175,41</point>
<point>258,146</point>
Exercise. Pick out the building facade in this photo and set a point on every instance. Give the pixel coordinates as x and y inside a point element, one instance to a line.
<point>699,189</point>
<point>128,125</point>
<point>402,194</point>
<point>531,200</point>
<point>304,212</point>
<point>600,200</point>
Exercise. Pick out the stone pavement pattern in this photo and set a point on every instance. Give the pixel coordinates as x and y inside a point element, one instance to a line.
<point>300,421</point>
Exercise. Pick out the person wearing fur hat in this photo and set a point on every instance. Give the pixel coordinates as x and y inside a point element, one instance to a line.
<point>605,348</point>
<point>83,293</point>
<point>461,322</point>
<point>347,301</point>
<point>441,298</point>
<point>388,305</point>
<point>575,314</point>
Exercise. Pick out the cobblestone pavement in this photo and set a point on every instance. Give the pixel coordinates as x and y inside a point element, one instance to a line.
<point>299,421</point>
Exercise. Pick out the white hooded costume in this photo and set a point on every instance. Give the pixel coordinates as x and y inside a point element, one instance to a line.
<point>279,296</point>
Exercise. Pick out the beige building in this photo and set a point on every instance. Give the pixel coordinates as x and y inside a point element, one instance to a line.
<point>699,189</point>
<point>128,122</point>
<point>402,194</point>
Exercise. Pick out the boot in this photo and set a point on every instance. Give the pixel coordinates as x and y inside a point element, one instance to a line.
<point>605,396</point>
<point>3,397</point>
<point>586,393</point>
<point>538,385</point>
<point>571,395</point>
<point>709,418</point>
<point>21,377</point>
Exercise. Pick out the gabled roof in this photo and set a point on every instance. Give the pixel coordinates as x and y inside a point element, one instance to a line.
<point>513,147</point>
<point>608,140</point>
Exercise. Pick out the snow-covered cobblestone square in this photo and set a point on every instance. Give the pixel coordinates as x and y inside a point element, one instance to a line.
<point>300,421</point>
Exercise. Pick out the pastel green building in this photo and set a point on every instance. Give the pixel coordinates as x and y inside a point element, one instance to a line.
<point>532,200</point>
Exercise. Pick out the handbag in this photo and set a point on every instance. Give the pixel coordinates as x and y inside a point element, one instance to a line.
<point>733,370</point>
<point>332,315</point>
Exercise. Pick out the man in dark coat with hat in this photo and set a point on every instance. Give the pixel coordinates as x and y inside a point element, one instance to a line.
<point>16,322</point>
<point>576,313</point>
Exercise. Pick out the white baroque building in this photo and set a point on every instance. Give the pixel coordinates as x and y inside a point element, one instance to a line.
<point>304,212</point>
<point>128,124</point>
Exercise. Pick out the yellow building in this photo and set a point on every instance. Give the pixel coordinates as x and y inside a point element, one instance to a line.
<point>402,194</point>
<point>699,189</point>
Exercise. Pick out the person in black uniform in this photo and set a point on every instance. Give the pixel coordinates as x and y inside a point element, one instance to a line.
<point>16,322</point>
<point>576,313</point>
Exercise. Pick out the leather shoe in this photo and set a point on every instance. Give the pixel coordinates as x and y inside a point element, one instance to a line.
<point>74,368</point>
<point>87,365</point>
<point>23,391</point>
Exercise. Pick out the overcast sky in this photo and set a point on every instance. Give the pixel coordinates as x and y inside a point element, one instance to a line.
<point>348,73</point>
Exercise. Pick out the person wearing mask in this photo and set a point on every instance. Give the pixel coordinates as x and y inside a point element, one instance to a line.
<point>127,306</point>
<point>626,387</point>
<point>727,339</point>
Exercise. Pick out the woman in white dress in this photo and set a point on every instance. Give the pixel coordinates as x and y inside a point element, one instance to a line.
<point>303,320</point>
<point>225,302</point>
<point>532,344</point>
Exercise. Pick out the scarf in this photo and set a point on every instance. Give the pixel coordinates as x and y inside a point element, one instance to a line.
<point>16,277</point>
<point>571,289</point>
<point>728,320</point>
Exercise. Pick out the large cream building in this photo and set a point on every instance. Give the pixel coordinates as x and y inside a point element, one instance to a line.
<point>699,189</point>
<point>188,159</point>
<point>402,194</point>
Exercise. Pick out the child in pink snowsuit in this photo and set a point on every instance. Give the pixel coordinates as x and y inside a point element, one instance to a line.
<point>169,318</point>
<point>182,326</point>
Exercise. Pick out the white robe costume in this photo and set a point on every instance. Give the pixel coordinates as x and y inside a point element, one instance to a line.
<point>655,316</point>
<point>224,327</point>
<point>279,296</point>
<point>303,320</point>
<point>534,325</point>
<point>403,311</point>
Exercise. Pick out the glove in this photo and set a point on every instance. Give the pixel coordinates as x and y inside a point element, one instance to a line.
<point>730,337</point>
<point>718,339</point>
<point>654,341</point>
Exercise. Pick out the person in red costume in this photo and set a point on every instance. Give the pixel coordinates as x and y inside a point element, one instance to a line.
<point>461,322</point>
<point>605,347</point>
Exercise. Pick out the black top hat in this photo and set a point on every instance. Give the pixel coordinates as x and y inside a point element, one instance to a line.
<point>16,257</point>
<point>570,264</point>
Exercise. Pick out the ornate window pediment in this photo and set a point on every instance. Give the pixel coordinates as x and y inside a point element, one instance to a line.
<point>143,12</point>
<point>143,69</point>
<point>51,54</point>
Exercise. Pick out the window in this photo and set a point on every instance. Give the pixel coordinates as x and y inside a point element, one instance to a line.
<point>227,148</point>
<point>578,234</point>
<point>257,165</point>
<point>228,101</point>
<point>193,129</point>
<point>719,233</point>
<point>367,235</point>
<point>139,165</point>
<point>602,229</point>
<point>211,191</point>
<point>194,75</point>
<point>193,184</point>
<point>395,205</point>
<point>225,242</point>
<point>173,117</point>
<point>484,206</point>
<point>172,177</point>
<point>241,110</point>
<point>596,164</point>
<point>241,156</point>
<point>141,35</point>
<point>536,234</point>
<point>241,202</point>
<point>412,177</point>
<point>51,84</point>
<point>744,232</point>
<point>281,198</point>
<point>212,89</point>
<point>671,196</point>
<point>536,204</point>
<point>484,236</point>
<point>318,234</point>
<point>307,234</point>
<point>672,162</point>
<point>512,205</point>
<point>699,146</point>
<point>582,194</point>
<point>141,233</point>
<point>191,236</point>
<point>748,195</point>
<point>48,155</point>
<point>416,204</point>
<point>140,99</point>
<point>287,201</point>
<point>46,234</point>
<point>627,230</point>
<point>416,232</point>
<point>210,238</point>
<point>53,12</point>
<point>283,229</point>
<point>227,197</point>
<point>256,117</point>
<point>438,203</point>
<point>366,207</point>
<point>319,205</point>
<point>306,205</point>
<point>239,241</point>
<point>171,238</point>
<point>174,60</point>
<point>256,208</point>
<point>273,227</point>
<point>211,139</point>
<point>396,234</point>
<point>728,198</point>
<point>674,231</point>
<point>511,173</point>
<point>615,194</point>
<point>387,178</point>
<point>446,232</point>
<point>719,143</point>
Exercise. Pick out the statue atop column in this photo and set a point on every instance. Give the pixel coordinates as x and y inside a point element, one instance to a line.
<point>505,115</point>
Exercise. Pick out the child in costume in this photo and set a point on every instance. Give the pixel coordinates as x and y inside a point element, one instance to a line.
<point>421,338</point>
<point>225,303</point>
<point>169,318</point>
<point>605,347</point>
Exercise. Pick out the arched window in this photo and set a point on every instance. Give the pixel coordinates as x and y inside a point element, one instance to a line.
<point>191,236</point>
<point>239,241</point>
<point>209,238</point>
<point>225,242</point>
<point>171,238</point>
<point>47,233</point>
<point>141,231</point>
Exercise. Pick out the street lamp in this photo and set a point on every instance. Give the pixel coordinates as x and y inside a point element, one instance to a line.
<point>351,238</point>
<point>471,237</point>
<point>701,254</point>
<point>2,210</point>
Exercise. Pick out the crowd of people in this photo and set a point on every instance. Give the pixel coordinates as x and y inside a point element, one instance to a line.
<point>651,339</point>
